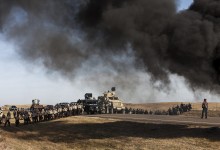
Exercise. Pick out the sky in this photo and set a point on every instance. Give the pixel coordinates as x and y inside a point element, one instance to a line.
<point>184,4</point>
<point>21,82</point>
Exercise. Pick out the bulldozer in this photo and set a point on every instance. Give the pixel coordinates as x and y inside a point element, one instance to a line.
<point>36,105</point>
<point>110,103</point>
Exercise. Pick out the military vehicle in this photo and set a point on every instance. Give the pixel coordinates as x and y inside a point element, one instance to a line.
<point>49,107</point>
<point>36,105</point>
<point>73,103</point>
<point>62,105</point>
<point>90,104</point>
<point>110,103</point>
<point>11,108</point>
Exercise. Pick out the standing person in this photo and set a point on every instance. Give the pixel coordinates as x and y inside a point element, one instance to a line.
<point>17,122</point>
<point>8,117</point>
<point>3,118</point>
<point>15,113</point>
<point>204,108</point>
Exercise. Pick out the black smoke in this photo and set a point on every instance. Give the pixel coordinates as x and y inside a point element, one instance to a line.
<point>64,34</point>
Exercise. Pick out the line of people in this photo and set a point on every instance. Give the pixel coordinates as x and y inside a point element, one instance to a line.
<point>39,115</point>
<point>176,110</point>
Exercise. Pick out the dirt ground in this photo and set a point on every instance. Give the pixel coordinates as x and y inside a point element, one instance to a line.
<point>82,132</point>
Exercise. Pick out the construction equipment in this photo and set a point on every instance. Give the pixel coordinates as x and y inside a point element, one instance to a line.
<point>110,103</point>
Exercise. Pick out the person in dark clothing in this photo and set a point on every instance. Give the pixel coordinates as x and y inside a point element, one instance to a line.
<point>17,122</point>
<point>204,109</point>
<point>8,117</point>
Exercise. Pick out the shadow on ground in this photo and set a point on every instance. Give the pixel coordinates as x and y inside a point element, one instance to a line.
<point>59,131</point>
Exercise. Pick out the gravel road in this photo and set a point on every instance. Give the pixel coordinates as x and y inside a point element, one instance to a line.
<point>163,119</point>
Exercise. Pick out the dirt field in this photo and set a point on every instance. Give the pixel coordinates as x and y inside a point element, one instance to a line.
<point>81,132</point>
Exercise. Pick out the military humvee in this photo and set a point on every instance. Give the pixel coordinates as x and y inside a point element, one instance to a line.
<point>110,103</point>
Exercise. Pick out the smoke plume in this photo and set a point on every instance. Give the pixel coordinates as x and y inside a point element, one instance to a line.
<point>122,35</point>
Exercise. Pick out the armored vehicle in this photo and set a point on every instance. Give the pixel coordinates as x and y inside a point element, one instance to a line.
<point>12,108</point>
<point>63,104</point>
<point>73,103</point>
<point>88,96</point>
<point>90,104</point>
<point>110,103</point>
<point>36,105</point>
<point>49,107</point>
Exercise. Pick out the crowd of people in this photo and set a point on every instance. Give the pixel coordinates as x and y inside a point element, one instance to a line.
<point>40,115</point>
<point>176,110</point>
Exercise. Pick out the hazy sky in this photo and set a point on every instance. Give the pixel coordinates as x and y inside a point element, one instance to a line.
<point>184,4</point>
<point>20,82</point>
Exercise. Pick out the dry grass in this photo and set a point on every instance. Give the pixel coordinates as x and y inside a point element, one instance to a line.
<point>212,106</point>
<point>83,132</point>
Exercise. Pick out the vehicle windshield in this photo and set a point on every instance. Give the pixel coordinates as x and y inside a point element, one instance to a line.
<point>113,98</point>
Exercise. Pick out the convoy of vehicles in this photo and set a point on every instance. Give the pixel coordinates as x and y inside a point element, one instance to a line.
<point>108,103</point>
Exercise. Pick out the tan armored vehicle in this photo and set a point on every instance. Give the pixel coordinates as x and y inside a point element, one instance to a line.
<point>36,105</point>
<point>110,103</point>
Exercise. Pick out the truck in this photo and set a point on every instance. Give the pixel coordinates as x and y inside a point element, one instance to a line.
<point>110,103</point>
<point>90,104</point>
